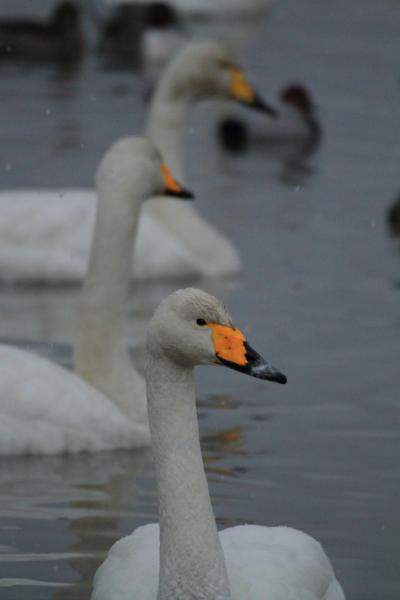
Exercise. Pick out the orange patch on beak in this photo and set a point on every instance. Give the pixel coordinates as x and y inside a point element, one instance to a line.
<point>240,87</point>
<point>228,343</point>
<point>170,183</point>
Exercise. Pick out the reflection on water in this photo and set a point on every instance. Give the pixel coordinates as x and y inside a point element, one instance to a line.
<point>62,514</point>
<point>316,298</point>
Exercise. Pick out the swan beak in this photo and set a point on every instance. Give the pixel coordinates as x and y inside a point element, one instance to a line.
<point>172,187</point>
<point>233,351</point>
<point>243,92</point>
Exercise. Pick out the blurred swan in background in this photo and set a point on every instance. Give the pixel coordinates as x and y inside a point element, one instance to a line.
<point>185,556</point>
<point>58,39</point>
<point>167,26</point>
<point>45,409</point>
<point>201,70</point>
<point>45,234</point>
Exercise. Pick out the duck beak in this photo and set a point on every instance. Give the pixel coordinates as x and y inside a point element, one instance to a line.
<point>243,92</point>
<point>172,187</point>
<point>233,351</point>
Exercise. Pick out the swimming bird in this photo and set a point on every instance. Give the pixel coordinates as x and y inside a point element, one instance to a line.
<point>60,39</point>
<point>200,71</point>
<point>45,409</point>
<point>184,556</point>
<point>45,234</point>
<point>297,123</point>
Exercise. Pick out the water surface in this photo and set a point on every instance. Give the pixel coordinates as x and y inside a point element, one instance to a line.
<point>319,297</point>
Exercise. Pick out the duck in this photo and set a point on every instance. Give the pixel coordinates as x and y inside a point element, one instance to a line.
<point>46,409</point>
<point>140,36</point>
<point>184,556</point>
<point>59,39</point>
<point>298,123</point>
<point>45,234</point>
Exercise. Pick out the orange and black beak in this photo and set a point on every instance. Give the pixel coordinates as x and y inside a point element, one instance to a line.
<point>243,92</point>
<point>233,351</point>
<point>172,187</point>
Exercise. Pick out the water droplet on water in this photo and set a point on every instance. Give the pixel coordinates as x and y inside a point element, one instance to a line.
<point>7,167</point>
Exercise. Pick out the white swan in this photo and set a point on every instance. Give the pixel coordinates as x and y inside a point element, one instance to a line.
<point>45,409</point>
<point>185,557</point>
<point>45,235</point>
<point>201,70</point>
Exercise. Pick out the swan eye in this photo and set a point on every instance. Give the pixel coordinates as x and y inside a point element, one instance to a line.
<point>201,322</point>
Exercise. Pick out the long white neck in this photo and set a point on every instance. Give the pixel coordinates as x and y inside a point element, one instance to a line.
<point>167,119</point>
<point>100,352</point>
<point>192,563</point>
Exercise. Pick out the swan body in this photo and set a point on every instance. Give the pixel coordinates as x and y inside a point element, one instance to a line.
<point>208,8</point>
<point>45,236</point>
<point>292,563</point>
<point>45,409</point>
<point>185,556</point>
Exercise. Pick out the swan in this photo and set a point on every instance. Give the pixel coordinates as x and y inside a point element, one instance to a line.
<point>185,557</point>
<point>45,234</point>
<point>201,70</point>
<point>45,409</point>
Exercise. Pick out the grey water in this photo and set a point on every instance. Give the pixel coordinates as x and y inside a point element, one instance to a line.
<point>319,297</point>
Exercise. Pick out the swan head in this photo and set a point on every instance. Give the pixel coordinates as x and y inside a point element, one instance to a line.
<point>192,328</point>
<point>134,167</point>
<point>206,69</point>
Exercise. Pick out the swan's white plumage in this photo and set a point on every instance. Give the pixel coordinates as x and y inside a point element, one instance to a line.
<point>185,556</point>
<point>45,235</point>
<point>263,563</point>
<point>45,409</point>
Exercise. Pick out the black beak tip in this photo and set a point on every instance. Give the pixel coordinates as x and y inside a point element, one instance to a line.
<point>270,374</point>
<point>187,195</point>
<point>183,194</point>
<point>259,104</point>
<point>280,378</point>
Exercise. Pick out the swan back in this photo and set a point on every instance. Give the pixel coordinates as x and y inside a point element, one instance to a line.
<point>48,410</point>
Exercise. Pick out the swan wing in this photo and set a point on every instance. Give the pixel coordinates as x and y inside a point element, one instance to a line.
<point>45,234</point>
<point>278,563</point>
<point>45,409</point>
<point>131,567</point>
